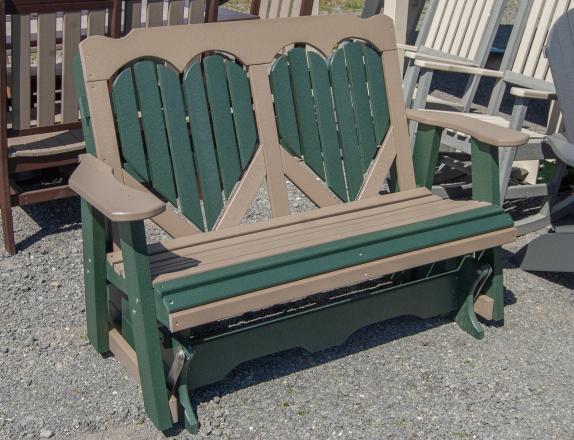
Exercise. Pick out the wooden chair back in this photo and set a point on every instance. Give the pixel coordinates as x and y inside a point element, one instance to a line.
<point>206,132</point>
<point>284,8</point>
<point>152,13</point>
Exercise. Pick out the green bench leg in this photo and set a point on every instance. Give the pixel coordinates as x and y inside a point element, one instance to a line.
<point>472,279</point>
<point>495,287</point>
<point>144,324</point>
<point>94,244</point>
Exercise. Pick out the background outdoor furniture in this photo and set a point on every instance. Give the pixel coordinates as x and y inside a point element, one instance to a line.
<point>40,132</point>
<point>259,124</point>
<point>554,251</point>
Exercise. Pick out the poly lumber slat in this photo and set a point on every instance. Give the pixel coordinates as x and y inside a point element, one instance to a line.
<point>481,28</point>
<point>306,118</point>
<point>562,6</point>
<point>377,93</point>
<point>435,23</point>
<point>96,23</point>
<point>180,144</point>
<point>540,36</point>
<point>222,119</point>
<point>154,13</point>
<point>274,8</point>
<point>463,27</point>
<point>321,283</point>
<point>160,166</point>
<point>175,12</point>
<point>346,123</point>
<point>204,147</point>
<point>21,92</point>
<point>289,266</point>
<point>126,111</point>
<point>243,117</point>
<point>360,97</point>
<point>46,91</point>
<point>456,22</point>
<point>284,106</point>
<point>471,33</point>
<point>326,124</point>
<point>133,13</point>
<point>528,35</point>
<point>445,25</point>
<point>71,39</point>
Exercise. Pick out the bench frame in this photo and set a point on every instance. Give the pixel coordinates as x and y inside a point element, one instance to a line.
<point>452,276</point>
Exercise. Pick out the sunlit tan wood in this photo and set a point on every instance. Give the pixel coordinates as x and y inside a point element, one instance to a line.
<point>21,92</point>
<point>71,40</point>
<point>46,91</point>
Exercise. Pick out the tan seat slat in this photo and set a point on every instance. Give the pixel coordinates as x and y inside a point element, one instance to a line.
<point>227,255</point>
<point>321,283</point>
<point>44,144</point>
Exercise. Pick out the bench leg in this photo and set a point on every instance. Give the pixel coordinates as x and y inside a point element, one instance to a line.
<point>494,287</point>
<point>472,279</point>
<point>94,244</point>
<point>144,322</point>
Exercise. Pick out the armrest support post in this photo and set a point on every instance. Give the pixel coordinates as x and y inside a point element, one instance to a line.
<point>425,154</point>
<point>485,173</point>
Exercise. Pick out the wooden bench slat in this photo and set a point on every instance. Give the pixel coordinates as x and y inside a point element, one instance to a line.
<point>222,120</point>
<point>204,147</point>
<point>150,106</point>
<point>327,126</point>
<point>46,89</point>
<point>175,12</point>
<point>180,144</point>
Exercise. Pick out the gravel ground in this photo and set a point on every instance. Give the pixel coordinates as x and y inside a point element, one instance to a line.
<point>401,379</point>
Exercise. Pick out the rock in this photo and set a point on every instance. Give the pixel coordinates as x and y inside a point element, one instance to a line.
<point>28,341</point>
<point>46,433</point>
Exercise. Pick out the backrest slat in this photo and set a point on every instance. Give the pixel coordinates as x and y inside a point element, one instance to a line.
<point>154,13</point>
<point>285,10</point>
<point>528,35</point>
<point>481,28</point>
<point>542,63</point>
<point>435,22</point>
<point>462,29</point>
<point>196,11</point>
<point>21,60</point>
<point>96,23</point>
<point>72,24</point>
<point>46,83</point>
<point>132,15</point>
<point>274,8</point>
<point>539,38</point>
<point>264,8</point>
<point>445,24</point>
<point>455,23</point>
<point>176,10</point>
<point>471,32</point>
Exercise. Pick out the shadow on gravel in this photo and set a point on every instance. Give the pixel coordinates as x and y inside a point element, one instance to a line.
<point>52,217</point>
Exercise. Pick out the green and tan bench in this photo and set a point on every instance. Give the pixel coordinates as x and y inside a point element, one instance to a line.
<point>316,101</point>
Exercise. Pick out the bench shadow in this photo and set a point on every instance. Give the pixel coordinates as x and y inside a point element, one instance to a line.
<point>52,217</point>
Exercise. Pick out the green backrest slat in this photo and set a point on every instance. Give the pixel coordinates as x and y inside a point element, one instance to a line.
<point>222,120</point>
<point>180,145</point>
<point>308,130</point>
<point>154,130</point>
<point>83,104</point>
<point>203,144</point>
<point>358,81</point>
<point>243,115</point>
<point>126,110</point>
<point>284,106</point>
<point>377,92</point>
<point>326,122</point>
<point>346,123</point>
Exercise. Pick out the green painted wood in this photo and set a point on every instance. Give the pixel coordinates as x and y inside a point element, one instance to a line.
<point>485,187</point>
<point>203,144</point>
<point>243,116</point>
<point>83,104</point>
<point>222,120</point>
<point>234,280</point>
<point>361,102</point>
<point>126,110</point>
<point>180,144</point>
<point>157,146</point>
<point>305,111</point>
<point>346,123</point>
<point>326,123</point>
<point>466,318</point>
<point>94,248</point>
<point>377,93</point>
<point>329,325</point>
<point>425,154</point>
<point>285,107</point>
<point>143,318</point>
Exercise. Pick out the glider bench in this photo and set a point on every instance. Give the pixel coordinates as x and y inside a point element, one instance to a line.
<point>186,135</point>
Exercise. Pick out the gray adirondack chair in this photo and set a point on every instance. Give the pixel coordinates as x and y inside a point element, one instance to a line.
<point>525,71</point>
<point>554,252</point>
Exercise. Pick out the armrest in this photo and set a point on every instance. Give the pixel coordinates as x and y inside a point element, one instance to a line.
<point>408,47</point>
<point>457,68</point>
<point>482,131</point>
<point>93,181</point>
<point>527,82</point>
<point>533,93</point>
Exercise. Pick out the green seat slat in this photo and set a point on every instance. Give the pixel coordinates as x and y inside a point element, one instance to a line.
<point>180,145</point>
<point>346,123</point>
<point>203,145</point>
<point>223,127</point>
<point>361,103</point>
<point>243,115</point>
<point>126,110</point>
<point>308,131</point>
<point>285,107</point>
<point>154,130</point>
<point>258,274</point>
<point>326,123</point>
<point>377,92</point>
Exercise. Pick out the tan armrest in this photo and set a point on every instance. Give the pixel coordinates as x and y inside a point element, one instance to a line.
<point>532,93</point>
<point>458,68</point>
<point>482,131</point>
<point>93,180</point>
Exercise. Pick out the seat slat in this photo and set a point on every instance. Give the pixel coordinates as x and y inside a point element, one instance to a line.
<point>326,124</point>
<point>203,144</point>
<point>180,145</point>
<point>305,111</point>
<point>222,120</point>
<point>160,168</point>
